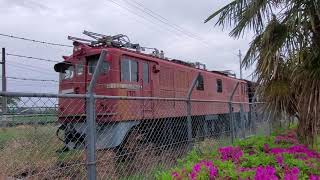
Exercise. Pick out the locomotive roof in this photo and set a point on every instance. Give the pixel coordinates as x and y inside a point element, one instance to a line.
<point>150,57</point>
<point>122,42</point>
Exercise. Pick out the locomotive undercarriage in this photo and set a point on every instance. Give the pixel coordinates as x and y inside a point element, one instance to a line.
<point>158,132</point>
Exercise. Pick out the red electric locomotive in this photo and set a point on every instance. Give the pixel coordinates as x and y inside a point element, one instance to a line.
<point>127,71</point>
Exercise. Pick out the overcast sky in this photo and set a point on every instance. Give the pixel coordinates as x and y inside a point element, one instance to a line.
<point>53,21</point>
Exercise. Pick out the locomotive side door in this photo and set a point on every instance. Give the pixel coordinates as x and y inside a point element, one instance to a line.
<point>147,88</point>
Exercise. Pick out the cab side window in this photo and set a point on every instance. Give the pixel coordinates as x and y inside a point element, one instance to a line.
<point>129,70</point>
<point>200,84</point>
<point>92,63</point>
<point>219,86</point>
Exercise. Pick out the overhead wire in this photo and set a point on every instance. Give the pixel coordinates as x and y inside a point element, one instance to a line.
<point>31,79</point>
<point>31,68</point>
<point>137,19</point>
<point>33,40</point>
<point>144,18</point>
<point>30,57</point>
<point>162,19</point>
<point>173,28</point>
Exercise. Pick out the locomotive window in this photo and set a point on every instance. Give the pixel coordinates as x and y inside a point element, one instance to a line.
<point>129,70</point>
<point>145,73</point>
<point>200,84</point>
<point>79,69</point>
<point>219,85</point>
<point>93,63</point>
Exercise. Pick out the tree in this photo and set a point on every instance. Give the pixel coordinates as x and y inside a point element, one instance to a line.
<point>13,101</point>
<point>286,52</point>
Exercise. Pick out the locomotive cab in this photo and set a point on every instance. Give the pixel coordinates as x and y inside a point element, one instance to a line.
<point>75,74</point>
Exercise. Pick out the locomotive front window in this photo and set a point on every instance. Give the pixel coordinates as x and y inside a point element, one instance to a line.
<point>79,69</point>
<point>129,70</point>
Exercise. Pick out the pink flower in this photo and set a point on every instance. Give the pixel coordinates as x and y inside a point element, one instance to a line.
<point>265,173</point>
<point>193,175</point>
<point>314,177</point>
<point>175,175</point>
<point>289,138</point>
<point>279,159</point>
<point>295,170</point>
<point>197,167</point>
<point>266,148</point>
<point>292,174</point>
<point>230,153</point>
<point>300,151</point>
<point>212,171</point>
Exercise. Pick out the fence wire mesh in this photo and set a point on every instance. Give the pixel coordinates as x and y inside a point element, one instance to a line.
<point>46,137</point>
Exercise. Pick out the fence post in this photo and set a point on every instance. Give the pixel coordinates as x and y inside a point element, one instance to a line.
<point>4,88</point>
<point>189,108</point>
<point>189,121</point>
<point>91,121</point>
<point>231,112</point>
<point>231,120</point>
<point>242,121</point>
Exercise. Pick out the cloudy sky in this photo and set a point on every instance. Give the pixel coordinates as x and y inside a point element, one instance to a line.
<point>53,21</point>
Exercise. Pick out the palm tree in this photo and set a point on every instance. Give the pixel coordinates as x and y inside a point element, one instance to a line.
<point>286,52</point>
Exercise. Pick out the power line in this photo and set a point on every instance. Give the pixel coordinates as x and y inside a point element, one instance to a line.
<point>150,21</point>
<point>137,19</point>
<point>161,19</point>
<point>30,57</point>
<point>35,41</point>
<point>32,79</point>
<point>31,68</point>
<point>142,17</point>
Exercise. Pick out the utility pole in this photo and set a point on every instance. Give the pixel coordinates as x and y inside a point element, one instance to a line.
<point>240,62</point>
<point>4,85</point>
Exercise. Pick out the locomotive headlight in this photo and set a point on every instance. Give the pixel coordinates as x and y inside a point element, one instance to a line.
<point>77,49</point>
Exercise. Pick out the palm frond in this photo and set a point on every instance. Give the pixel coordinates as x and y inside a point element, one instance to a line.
<point>286,53</point>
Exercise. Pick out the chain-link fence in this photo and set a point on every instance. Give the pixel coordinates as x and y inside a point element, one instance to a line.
<point>72,136</point>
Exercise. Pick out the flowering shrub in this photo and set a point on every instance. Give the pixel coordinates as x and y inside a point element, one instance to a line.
<point>202,169</point>
<point>265,173</point>
<point>231,153</point>
<point>289,138</point>
<point>292,174</point>
<point>256,158</point>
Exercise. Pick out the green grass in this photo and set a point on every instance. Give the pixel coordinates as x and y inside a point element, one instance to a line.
<point>31,149</point>
<point>7,134</point>
<point>39,119</point>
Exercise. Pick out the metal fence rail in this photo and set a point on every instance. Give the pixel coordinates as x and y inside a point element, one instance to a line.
<point>109,137</point>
